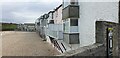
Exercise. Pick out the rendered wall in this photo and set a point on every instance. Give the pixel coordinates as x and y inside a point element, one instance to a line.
<point>90,12</point>
<point>57,16</point>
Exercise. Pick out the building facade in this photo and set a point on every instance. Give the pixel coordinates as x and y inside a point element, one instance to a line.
<point>30,27</point>
<point>88,22</point>
<point>79,23</point>
<point>81,14</point>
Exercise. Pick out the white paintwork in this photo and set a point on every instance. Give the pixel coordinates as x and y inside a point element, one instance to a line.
<point>90,12</point>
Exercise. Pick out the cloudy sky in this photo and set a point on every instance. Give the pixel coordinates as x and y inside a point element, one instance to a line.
<point>22,11</point>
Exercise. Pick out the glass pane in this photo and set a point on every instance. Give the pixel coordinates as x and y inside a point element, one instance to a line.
<point>73,22</point>
<point>74,38</point>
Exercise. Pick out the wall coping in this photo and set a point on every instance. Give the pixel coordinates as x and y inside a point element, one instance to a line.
<point>81,49</point>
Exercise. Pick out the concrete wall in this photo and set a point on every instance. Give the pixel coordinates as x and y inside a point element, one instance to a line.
<point>92,50</point>
<point>90,12</point>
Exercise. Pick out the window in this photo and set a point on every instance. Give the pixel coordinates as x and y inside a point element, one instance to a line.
<point>57,13</point>
<point>38,23</point>
<point>69,2</point>
<point>74,38</point>
<point>51,22</point>
<point>73,22</point>
<point>63,26</point>
<point>73,2</point>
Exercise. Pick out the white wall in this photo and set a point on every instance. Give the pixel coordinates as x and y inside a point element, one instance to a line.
<point>90,12</point>
<point>57,16</point>
<point>98,0</point>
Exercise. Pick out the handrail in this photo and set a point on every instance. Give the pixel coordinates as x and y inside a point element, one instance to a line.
<point>56,44</point>
<point>63,46</point>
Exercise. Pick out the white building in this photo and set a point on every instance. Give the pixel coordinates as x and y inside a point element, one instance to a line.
<point>73,24</point>
<point>55,28</point>
<point>80,17</point>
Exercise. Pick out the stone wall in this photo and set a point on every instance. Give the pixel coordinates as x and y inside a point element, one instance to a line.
<point>119,30</point>
<point>96,51</point>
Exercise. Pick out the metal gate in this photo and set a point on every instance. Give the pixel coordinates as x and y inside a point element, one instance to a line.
<point>109,43</point>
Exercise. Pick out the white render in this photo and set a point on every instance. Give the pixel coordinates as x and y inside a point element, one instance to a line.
<point>90,12</point>
<point>57,16</point>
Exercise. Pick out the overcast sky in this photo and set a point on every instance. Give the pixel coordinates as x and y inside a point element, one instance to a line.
<point>22,11</point>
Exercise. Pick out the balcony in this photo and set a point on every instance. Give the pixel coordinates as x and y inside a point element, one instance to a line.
<point>71,11</point>
<point>70,25</point>
<point>55,31</point>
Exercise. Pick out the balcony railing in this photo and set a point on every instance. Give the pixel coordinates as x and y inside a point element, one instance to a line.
<point>55,31</point>
<point>71,11</point>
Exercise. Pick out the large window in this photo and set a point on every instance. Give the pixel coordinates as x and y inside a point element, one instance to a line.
<point>73,22</point>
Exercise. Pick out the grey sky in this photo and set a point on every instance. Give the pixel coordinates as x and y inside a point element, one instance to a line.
<point>21,11</point>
